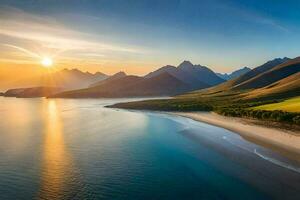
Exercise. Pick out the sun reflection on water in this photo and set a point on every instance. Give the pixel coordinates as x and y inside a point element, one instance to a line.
<point>56,161</point>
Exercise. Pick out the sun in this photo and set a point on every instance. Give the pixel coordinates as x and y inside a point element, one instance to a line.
<point>47,62</point>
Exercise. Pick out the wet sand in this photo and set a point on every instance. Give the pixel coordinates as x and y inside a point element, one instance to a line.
<point>284,142</point>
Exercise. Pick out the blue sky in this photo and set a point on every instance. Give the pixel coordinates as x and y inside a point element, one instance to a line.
<point>139,36</point>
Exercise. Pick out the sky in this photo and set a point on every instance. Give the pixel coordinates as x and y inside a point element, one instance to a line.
<point>138,36</point>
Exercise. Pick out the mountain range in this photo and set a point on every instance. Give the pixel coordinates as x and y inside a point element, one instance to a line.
<point>278,76</point>
<point>166,81</point>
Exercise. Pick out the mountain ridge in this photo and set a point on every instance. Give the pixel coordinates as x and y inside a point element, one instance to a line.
<point>195,75</point>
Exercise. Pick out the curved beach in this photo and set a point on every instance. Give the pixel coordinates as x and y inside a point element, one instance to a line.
<point>283,141</point>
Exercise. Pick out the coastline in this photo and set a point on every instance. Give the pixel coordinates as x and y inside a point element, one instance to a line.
<point>282,141</point>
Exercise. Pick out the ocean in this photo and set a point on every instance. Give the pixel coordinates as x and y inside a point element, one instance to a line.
<point>78,149</point>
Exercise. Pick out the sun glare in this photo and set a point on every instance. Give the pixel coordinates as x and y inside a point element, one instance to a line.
<point>47,62</point>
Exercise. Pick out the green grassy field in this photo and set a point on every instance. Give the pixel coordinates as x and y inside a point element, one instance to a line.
<point>290,105</point>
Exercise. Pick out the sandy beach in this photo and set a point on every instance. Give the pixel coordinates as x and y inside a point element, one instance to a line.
<point>283,141</point>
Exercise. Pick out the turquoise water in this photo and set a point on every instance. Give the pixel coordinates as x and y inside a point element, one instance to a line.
<point>77,149</point>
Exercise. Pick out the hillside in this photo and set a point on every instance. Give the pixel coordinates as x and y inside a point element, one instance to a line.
<point>279,81</point>
<point>287,87</point>
<point>271,76</point>
<point>233,84</point>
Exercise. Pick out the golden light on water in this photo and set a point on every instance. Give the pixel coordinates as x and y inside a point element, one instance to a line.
<point>57,163</point>
<point>47,62</point>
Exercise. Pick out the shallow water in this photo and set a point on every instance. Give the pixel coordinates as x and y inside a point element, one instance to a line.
<point>77,149</point>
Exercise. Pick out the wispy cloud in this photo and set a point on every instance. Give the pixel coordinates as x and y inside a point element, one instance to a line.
<point>28,52</point>
<point>49,35</point>
<point>256,17</point>
<point>270,22</point>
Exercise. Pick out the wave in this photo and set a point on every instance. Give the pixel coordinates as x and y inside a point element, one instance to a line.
<point>277,162</point>
<point>267,158</point>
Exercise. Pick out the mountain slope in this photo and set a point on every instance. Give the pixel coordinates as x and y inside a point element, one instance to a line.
<point>287,87</point>
<point>273,75</point>
<point>231,84</point>
<point>279,82</point>
<point>260,69</point>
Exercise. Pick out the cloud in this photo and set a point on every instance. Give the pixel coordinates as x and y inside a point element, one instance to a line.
<point>47,33</point>
<point>28,52</point>
<point>255,17</point>
<point>270,22</point>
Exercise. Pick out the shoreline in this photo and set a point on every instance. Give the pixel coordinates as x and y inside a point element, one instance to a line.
<point>284,142</point>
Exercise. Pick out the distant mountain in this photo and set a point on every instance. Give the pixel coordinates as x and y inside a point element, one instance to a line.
<point>131,86</point>
<point>166,81</point>
<point>67,79</point>
<point>196,76</point>
<point>234,74</point>
<point>32,92</point>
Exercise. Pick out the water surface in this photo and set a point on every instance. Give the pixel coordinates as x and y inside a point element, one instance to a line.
<point>77,149</point>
